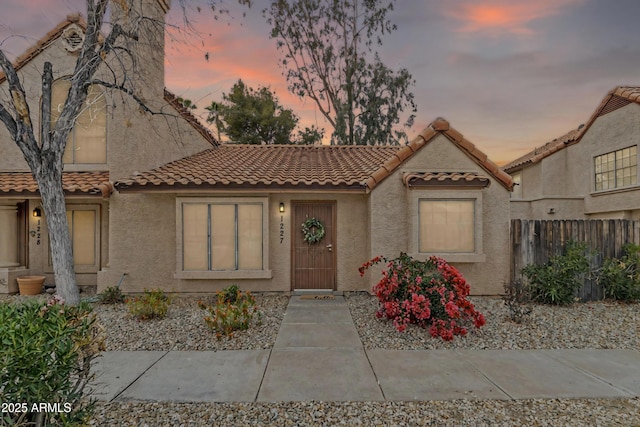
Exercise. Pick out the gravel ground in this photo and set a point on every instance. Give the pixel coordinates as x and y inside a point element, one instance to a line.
<point>552,413</point>
<point>591,325</point>
<point>581,325</point>
<point>185,329</point>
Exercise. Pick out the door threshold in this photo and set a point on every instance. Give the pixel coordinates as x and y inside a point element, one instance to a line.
<point>315,292</point>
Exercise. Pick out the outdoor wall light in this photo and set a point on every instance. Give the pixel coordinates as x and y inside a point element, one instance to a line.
<point>37,213</point>
<point>281,207</point>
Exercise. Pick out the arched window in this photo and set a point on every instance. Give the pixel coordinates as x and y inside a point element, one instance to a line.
<point>87,141</point>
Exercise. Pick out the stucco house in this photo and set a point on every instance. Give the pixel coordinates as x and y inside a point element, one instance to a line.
<point>589,173</point>
<point>157,199</point>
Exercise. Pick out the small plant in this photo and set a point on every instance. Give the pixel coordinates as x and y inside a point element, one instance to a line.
<point>620,278</point>
<point>233,310</point>
<point>558,280</point>
<point>45,357</point>
<point>517,299</point>
<point>431,294</point>
<point>111,295</point>
<point>230,294</point>
<point>154,304</point>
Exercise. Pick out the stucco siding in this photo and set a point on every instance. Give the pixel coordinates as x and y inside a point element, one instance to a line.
<point>394,217</point>
<point>144,243</point>
<point>564,182</point>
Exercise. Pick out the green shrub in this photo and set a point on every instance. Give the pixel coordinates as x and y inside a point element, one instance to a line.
<point>620,278</point>
<point>558,280</point>
<point>230,294</point>
<point>154,304</point>
<point>111,295</point>
<point>46,353</point>
<point>233,310</point>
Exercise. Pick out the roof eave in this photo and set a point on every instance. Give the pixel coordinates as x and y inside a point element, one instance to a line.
<point>123,187</point>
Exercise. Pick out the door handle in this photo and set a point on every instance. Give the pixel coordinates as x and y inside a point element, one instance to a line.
<point>330,247</point>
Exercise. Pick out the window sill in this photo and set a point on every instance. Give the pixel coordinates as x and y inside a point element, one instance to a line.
<point>236,274</point>
<point>615,190</point>
<point>453,257</point>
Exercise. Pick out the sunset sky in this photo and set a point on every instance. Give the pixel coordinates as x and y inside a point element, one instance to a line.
<point>508,74</point>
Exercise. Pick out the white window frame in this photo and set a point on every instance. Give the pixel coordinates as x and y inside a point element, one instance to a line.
<point>615,170</point>
<point>181,273</point>
<point>437,194</point>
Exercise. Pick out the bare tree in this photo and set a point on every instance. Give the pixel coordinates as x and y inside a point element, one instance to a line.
<point>113,54</point>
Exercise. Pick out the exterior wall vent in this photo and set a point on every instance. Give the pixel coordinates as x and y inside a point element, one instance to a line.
<point>72,38</point>
<point>613,104</point>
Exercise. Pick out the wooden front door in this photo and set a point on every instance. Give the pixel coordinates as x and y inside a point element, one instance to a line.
<point>313,264</point>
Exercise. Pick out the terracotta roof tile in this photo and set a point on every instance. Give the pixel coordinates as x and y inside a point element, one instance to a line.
<point>22,183</point>
<point>263,166</point>
<point>190,118</point>
<point>546,150</point>
<point>269,165</point>
<point>411,179</point>
<point>616,98</point>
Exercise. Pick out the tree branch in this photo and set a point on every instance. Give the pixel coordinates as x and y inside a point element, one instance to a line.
<point>20,126</point>
<point>45,107</point>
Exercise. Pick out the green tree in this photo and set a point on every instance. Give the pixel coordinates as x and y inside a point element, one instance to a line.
<point>329,57</point>
<point>249,116</point>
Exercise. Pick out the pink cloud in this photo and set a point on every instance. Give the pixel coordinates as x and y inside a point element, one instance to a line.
<point>497,17</point>
<point>233,53</point>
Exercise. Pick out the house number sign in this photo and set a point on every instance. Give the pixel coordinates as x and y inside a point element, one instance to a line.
<point>281,229</point>
<point>38,233</point>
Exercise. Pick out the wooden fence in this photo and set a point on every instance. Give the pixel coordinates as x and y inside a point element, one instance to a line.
<point>535,241</point>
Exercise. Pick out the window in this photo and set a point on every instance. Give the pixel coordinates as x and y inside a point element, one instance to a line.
<point>616,169</point>
<point>10,233</point>
<point>84,229</point>
<point>517,185</point>
<point>446,226</point>
<point>87,142</point>
<point>222,236</point>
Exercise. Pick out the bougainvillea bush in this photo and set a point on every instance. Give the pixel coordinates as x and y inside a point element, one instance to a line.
<point>431,294</point>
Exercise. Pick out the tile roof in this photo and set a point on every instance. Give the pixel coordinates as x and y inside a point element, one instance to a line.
<point>286,166</point>
<point>616,98</point>
<point>546,150</point>
<point>73,183</point>
<point>235,165</point>
<point>468,179</point>
<point>190,118</point>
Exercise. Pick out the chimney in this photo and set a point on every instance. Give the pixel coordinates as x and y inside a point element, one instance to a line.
<point>146,19</point>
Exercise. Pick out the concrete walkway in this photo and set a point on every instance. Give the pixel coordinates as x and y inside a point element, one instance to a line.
<point>318,356</point>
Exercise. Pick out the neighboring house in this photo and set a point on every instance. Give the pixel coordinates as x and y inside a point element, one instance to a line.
<point>588,173</point>
<point>111,140</point>
<point>155,198</point>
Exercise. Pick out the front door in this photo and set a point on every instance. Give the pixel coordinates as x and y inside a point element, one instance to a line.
<point>313,264</point>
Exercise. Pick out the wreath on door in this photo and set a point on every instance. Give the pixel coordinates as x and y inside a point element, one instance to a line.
<point>313,231</point>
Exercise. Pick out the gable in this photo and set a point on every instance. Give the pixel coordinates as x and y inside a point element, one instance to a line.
<point>440,130</point>
<point>617,98</point>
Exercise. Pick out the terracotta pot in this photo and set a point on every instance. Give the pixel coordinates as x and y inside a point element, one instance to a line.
<point>30,285</point>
